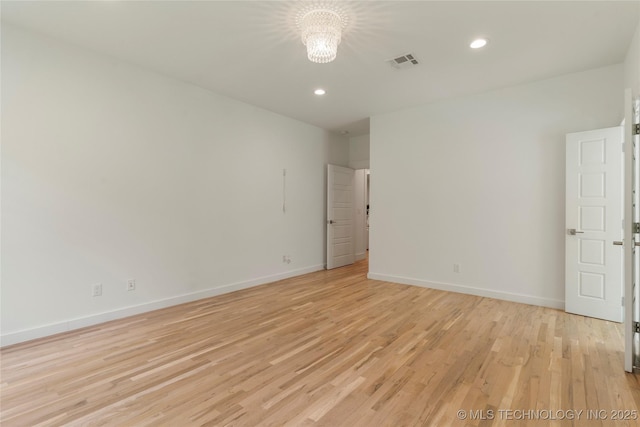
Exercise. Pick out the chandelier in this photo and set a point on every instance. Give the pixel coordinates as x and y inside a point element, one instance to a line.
<point>321,34</point>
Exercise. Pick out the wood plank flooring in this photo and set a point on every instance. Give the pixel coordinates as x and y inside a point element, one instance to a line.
<point>327,349</point>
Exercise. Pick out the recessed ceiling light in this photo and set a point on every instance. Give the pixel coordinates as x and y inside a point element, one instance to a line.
<point>478,43</point>
<point>319,91</point>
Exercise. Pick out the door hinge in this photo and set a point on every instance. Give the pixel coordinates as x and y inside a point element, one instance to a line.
<point>635,129</point>
<point>636,227</point>
<point>636,327</point>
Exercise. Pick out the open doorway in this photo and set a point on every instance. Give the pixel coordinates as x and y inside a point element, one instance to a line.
<point>348,233</point>
<point>362,183</point>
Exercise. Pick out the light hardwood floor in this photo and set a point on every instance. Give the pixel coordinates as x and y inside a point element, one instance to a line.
<point>328,348</point>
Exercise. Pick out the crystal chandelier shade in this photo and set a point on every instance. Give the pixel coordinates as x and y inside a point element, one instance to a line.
<point>321,34</point>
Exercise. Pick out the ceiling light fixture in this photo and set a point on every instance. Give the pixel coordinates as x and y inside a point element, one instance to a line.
<point>321,33</point>
<point>478,43</point>
<point>319,91</point>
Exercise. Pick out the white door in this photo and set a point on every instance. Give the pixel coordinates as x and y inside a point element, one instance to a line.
<point>340,216</point>
<point>593,282</point>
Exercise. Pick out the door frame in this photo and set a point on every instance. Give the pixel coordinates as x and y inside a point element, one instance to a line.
<point>628,271</point>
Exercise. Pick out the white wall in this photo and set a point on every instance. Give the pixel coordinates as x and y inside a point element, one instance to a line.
<point>479,181</point>
<point>111,172</point>
<point>632,64</point>
<point>338,150</point>
<point>359,152</point>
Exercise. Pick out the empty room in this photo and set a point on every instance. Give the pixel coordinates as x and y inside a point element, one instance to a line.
<point>298,213</point>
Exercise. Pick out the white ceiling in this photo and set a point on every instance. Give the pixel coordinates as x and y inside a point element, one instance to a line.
<point>250,50</point>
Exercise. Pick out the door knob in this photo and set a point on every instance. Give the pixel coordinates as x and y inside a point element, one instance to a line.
<point>618,243</point>
<point>330,221</point>
<point>573,232</point>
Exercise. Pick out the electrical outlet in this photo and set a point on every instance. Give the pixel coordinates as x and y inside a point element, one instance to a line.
<point>96,290</point>
<point>131,284</point>
<point>456,268</point>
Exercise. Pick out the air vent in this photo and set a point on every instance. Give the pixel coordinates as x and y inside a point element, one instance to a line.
<point>404,61</point>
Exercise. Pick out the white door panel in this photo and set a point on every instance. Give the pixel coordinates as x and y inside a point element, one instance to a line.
<point>340,216</point>
<point>594,210</point>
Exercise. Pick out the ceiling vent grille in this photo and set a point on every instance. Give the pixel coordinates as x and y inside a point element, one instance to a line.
<point>405,61</point>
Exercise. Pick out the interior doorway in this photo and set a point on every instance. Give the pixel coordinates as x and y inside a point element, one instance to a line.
<point>362,183</point>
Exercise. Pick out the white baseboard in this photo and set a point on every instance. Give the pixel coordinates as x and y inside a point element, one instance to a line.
<point>94,319</point>
<point>360,256</point>
<point>463,289</point>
